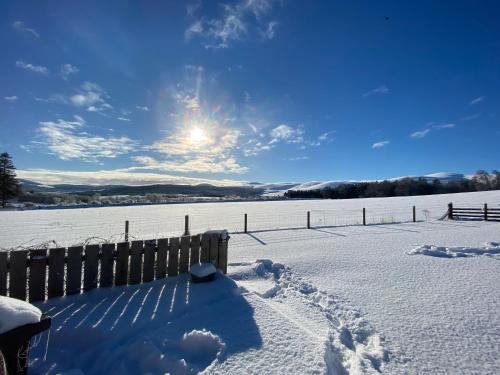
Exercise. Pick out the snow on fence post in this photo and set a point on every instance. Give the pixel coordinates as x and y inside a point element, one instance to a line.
<point>414,214</point>
<point>450,211</point>
<point>38,273</point>
<point>186,225</point>
<point>308,219</point>
<point>364,216</point>
<point>486,211</point>
<point>126,230</point>
<point>3,273</point>
<point>246,223</point>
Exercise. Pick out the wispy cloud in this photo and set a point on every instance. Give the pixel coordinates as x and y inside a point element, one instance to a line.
<point>32,68</point>
<point>123,119</point>
<point>11,98</point>
<point>235,23</point>
<point>380,144</point>
<point>476,100</point>
<point>297,158</point>
<point>142,108</point>
<point>420,133</point>
<point>116,177</point>
<point>21,27</point>
<point>69,140</point>
<point>471,117</point>
<point>92,96</point>
<point>66,70</point>
<point>431,127</point>
<point>380,90</point>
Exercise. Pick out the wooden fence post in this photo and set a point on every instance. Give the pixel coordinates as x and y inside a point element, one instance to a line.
<point>186,225</point>
<point>414,214</point>
<point>3,273</point>
<point>246,223</point>
<point>364,216</point>
<point>308,219</point>
<point>486,211</point>
<point>450,211</point>
<point>126,230</point>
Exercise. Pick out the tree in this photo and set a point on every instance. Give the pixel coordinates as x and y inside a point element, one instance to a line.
<point>9,186</point>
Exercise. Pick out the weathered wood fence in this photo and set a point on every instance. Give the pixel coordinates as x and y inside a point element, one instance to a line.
<point>485,213</point>
<point>39,274</point>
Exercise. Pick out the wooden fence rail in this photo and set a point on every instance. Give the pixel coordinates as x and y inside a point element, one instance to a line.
<point>36,275</point>
<point>485,213</point>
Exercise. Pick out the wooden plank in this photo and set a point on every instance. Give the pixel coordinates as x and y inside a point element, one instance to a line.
<point>173,257</point>
<point>107,265</point>
<point>148,271</point>
<point>195,249</point>
<point>91,267</point>
<point>122,255</point>
<point>74,277</point>
<point>3,273</point>
<point>184,254</point>
<point>18,268</point>
<point>161,258</point>
<point>38,275</point>
<point>56,272</point>
<point>214,249</point>
<point>466,209</point>
<point>135,276</point>
<point>205,248</point>
<point>223,256</point>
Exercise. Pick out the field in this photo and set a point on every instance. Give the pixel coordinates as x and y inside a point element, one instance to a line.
<point>334,299</point>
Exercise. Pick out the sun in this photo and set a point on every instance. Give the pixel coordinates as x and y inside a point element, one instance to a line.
<point>197,134</point>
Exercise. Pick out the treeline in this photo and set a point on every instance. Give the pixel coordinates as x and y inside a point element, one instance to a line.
<point>404,187</point>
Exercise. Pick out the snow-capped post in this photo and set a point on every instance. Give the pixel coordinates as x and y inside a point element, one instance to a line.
<point>246,223</point>
<point>126,230</point>
<point>414,214</point>
<point>486,211</point>
<point>450,211</point>
<point>364,216</point>
<point>308,219</point>
<point>186,225</point>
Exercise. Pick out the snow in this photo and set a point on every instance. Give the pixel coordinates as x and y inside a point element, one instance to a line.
<point>202,270</point>
<point>335,300</point>
<point>15,313</point>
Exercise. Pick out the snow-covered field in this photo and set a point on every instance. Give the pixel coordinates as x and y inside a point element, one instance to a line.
<point>336,300</point>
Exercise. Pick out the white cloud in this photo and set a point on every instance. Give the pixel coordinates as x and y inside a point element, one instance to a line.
<point>269,31</point>
<point>115,177</point>
<point>32,68</point>
<point>67,70</point>
<point>282,132</point>
<point>11,98</point>
<point>380,144</point>
<point>327,136</point>
<point>123,119</point>
<point>92,96</point>
<point>298,158</point>
<point>471,117</point>
<point>67,140</point>
<point>444,126</point>
<point>476,100</point>
<point>21,27</point>
<point>381,90</point>
<point>420,134</point>
<point>234,24</point>
<point>142,108</point>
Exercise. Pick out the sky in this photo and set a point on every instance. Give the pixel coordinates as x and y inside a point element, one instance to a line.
<point>248,90</point>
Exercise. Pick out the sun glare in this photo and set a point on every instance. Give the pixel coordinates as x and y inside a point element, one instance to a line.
<point>197,135</point>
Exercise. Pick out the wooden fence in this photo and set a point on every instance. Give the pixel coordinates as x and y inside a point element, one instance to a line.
<point>462,213</point>
<point>39,274</point>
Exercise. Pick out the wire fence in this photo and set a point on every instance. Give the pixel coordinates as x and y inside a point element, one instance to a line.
<point>107,229</point>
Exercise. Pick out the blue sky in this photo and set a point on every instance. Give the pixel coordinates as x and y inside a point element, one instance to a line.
<point>248,90</point>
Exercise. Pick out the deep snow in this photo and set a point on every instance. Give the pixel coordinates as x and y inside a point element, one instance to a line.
<point>15,313</point>
<point>330,300</point>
